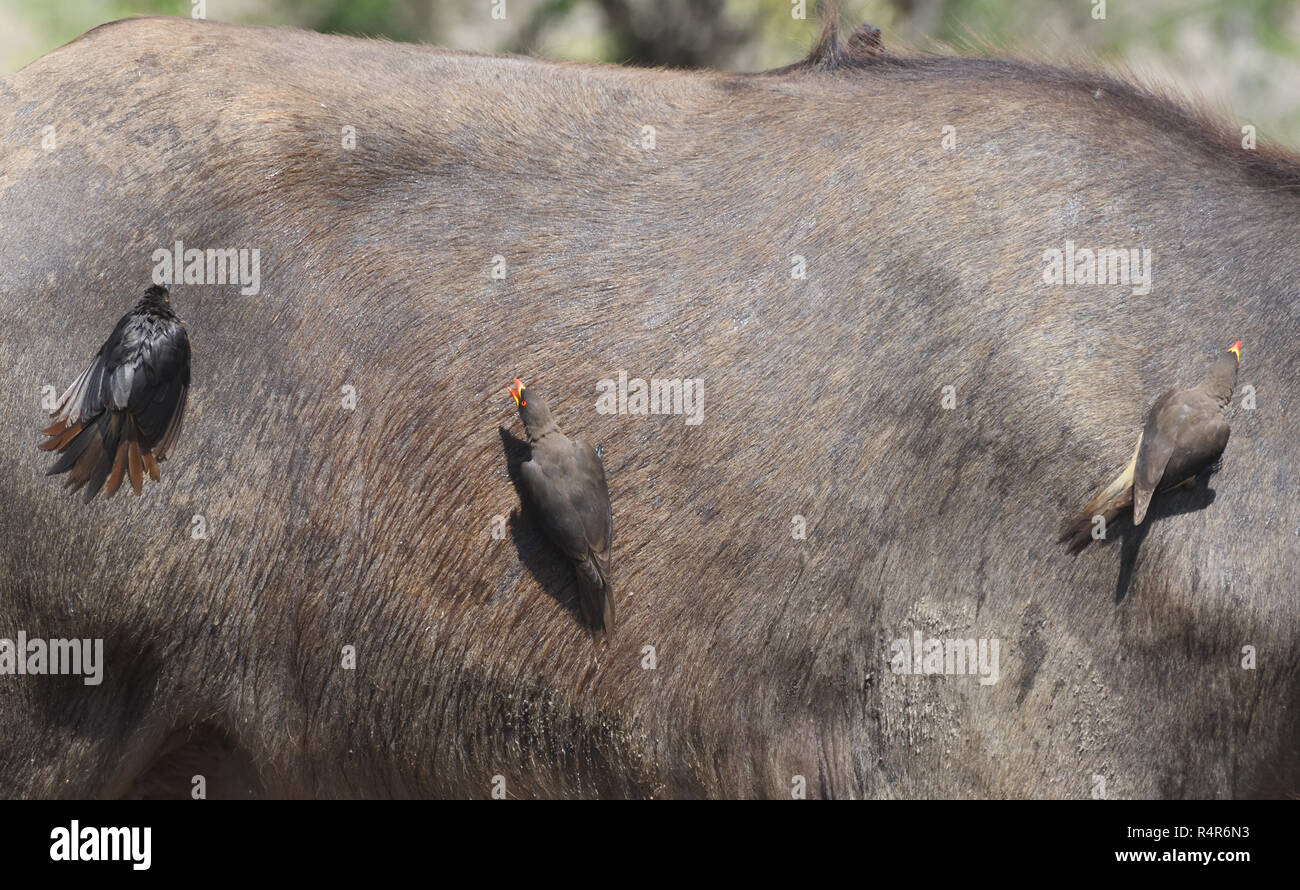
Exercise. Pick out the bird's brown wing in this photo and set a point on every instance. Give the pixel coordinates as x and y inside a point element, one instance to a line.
<point>597,517</point>
<point>1158,439</point>
<point>1185,433</point>
<point>159,389</point>
<point>548,485</point>
<point>568,486</point>
<point>598,529</point>
<point>1199,446</point>
<point>567,483</point>
<point>68,411</point>
<point>597,520</point>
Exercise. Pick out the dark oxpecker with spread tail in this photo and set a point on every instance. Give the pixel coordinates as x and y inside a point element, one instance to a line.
<point>123,414</point>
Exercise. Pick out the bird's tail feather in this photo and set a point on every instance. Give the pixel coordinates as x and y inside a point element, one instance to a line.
<point>1109,503</point>
<point>596,597</point>
<point>99,454</point>
<point>109,466</point>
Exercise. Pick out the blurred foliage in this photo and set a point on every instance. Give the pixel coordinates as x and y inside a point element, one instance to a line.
<point>1242,54</point>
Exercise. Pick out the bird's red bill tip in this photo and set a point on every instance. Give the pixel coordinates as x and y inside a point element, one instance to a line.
<point>516,391</point>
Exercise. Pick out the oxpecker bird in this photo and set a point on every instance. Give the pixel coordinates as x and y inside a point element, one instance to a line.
<point>565,480</point>
<point>123,414</point>
<point>1185,433</point>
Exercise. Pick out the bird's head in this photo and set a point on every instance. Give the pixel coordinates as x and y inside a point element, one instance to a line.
<point>532,410</point>
<point>158,294</point>
<point>1221,379</point>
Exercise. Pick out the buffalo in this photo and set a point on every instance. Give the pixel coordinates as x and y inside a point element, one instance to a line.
<point>841,580</point>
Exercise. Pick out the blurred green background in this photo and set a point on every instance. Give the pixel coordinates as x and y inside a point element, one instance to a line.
<point>1242,55</point>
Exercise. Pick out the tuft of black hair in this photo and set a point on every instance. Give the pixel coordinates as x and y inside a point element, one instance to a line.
<point>832,53</point>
